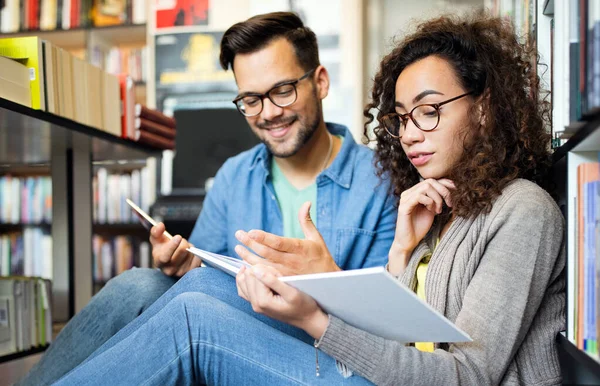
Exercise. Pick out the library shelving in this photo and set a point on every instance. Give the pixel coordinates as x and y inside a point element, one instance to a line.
<point>66,150</point>
<point>579,366</point>
<point>567,37</point>
<point>77,38</point>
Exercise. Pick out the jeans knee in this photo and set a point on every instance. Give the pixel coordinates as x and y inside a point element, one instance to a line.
<point>198,308</point>
<point>139,285</point>
<point>199,278</point>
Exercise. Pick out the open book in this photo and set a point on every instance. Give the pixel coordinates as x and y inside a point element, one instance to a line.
<point>370,299</point>
<point>226,264</point>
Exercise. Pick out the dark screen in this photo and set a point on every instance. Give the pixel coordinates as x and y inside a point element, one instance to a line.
<point>206,138</point>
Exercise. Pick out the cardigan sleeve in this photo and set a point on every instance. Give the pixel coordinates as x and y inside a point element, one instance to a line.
<point>521,268</point>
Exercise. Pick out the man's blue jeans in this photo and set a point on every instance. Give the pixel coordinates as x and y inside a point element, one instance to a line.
<point>134,293</point>
<point>197,339</point>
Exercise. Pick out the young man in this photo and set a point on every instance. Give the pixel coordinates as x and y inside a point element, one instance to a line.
<point>281,86</point>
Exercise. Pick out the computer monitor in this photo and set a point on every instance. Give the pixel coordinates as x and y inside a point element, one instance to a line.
<point>206,138</point>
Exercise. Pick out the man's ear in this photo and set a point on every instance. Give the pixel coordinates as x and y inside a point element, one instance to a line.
<point>322,82</point>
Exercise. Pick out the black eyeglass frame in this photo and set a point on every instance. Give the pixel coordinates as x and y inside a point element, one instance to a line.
<point>261,97</point>
<point>404,117</point>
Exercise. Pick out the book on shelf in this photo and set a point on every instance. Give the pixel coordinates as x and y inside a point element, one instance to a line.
<point>154,128</point>
<point>370,299</point>
<point>122,60</point>
<point>14,81</point>
<point>127,96</point>
<point>148,114</point>
<point>112,189</point>
<point>583,293</point>
<point>25,314</point>
<point>115,254</point>
<point>154,140</point>
<point>26,253</point>
<point>50,15</point>
<point>25,200</point>
<point>28,51</point>
<point>143,124</point>
<point>109,12</point>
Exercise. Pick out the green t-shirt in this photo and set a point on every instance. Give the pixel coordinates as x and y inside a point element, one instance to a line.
<point>290,200</point>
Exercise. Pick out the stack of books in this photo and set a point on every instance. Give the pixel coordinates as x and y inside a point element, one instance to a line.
<point>154,128</point>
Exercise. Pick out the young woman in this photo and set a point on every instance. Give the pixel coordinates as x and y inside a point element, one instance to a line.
<point>461,136</point>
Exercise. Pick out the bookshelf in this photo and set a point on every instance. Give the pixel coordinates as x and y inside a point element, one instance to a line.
<point>77,38</point>
<point>67,150</point>
<point>578,366</point>
<point>575,127</point>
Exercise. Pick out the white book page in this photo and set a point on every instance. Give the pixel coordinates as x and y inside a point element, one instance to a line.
<point>226,264</point>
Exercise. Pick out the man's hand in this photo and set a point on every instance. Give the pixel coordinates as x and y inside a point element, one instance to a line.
<point>289,256</point>
<point>171,255</point>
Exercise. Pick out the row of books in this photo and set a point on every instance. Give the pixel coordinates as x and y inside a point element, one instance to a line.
<point>521,13</point>
<point>586,322</point>
<point>49,15</point>
<point>25,314</point>
<point>113,256</point>
<point>123,60</point>
<point>25,200</point>
<point>42,76</point>
<point>27,253</point>
<point>110,190</point>
<point>584,58</point>
<point>575,63</point>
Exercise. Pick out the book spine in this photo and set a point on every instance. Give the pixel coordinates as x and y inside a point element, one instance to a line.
<point>148,138</point>
<point>154,115</point>
<point>155,128</point>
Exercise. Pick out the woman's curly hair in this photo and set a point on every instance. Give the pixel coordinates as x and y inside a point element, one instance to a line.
<point>509,141</point>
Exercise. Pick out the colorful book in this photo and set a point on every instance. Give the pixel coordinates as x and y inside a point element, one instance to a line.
<point>28,51</point>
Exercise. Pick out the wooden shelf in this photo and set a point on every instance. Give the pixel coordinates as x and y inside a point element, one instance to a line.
<point>22,354</point>
<point>26,136</point>
<point>586,138</point>
<point>76,38</point>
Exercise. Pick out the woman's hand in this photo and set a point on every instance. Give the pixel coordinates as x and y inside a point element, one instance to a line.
<point>418,207</point>
<point>271,297</point>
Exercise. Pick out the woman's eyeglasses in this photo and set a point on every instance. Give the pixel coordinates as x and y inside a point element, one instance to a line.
<point>426,117</point>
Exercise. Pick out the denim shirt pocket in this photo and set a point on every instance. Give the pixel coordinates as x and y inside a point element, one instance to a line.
<point>352,247</point>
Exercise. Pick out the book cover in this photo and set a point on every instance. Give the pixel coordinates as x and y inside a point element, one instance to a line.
<point>176,13</point>
<point>28,51</point>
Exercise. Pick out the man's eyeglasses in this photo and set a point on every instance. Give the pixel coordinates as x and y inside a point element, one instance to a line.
<point>282,95</point>
<point>426,117</point>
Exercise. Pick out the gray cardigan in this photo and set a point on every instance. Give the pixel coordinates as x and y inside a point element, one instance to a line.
<point>500,278</point>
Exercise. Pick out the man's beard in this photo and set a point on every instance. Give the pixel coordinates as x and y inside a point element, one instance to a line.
<point>304,134</point>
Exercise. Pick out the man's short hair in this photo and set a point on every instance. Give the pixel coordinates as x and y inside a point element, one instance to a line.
<point>257,32</point>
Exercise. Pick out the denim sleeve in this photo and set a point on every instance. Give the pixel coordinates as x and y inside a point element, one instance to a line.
<point>210,231</point>
<point>384,234</point>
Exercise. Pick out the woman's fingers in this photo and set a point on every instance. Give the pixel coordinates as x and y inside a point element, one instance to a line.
<point>443,187</point>
<point>438,191</point>
<point>240,281</point>
<point>425,195</point>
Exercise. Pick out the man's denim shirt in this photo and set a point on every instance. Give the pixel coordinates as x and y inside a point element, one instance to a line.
<point>356,213</point>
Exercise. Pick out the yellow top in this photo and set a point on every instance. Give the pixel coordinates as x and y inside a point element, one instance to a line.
<point>421,274</point>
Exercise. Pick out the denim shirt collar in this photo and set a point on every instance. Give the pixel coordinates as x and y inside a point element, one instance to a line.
<point>340,171</point>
